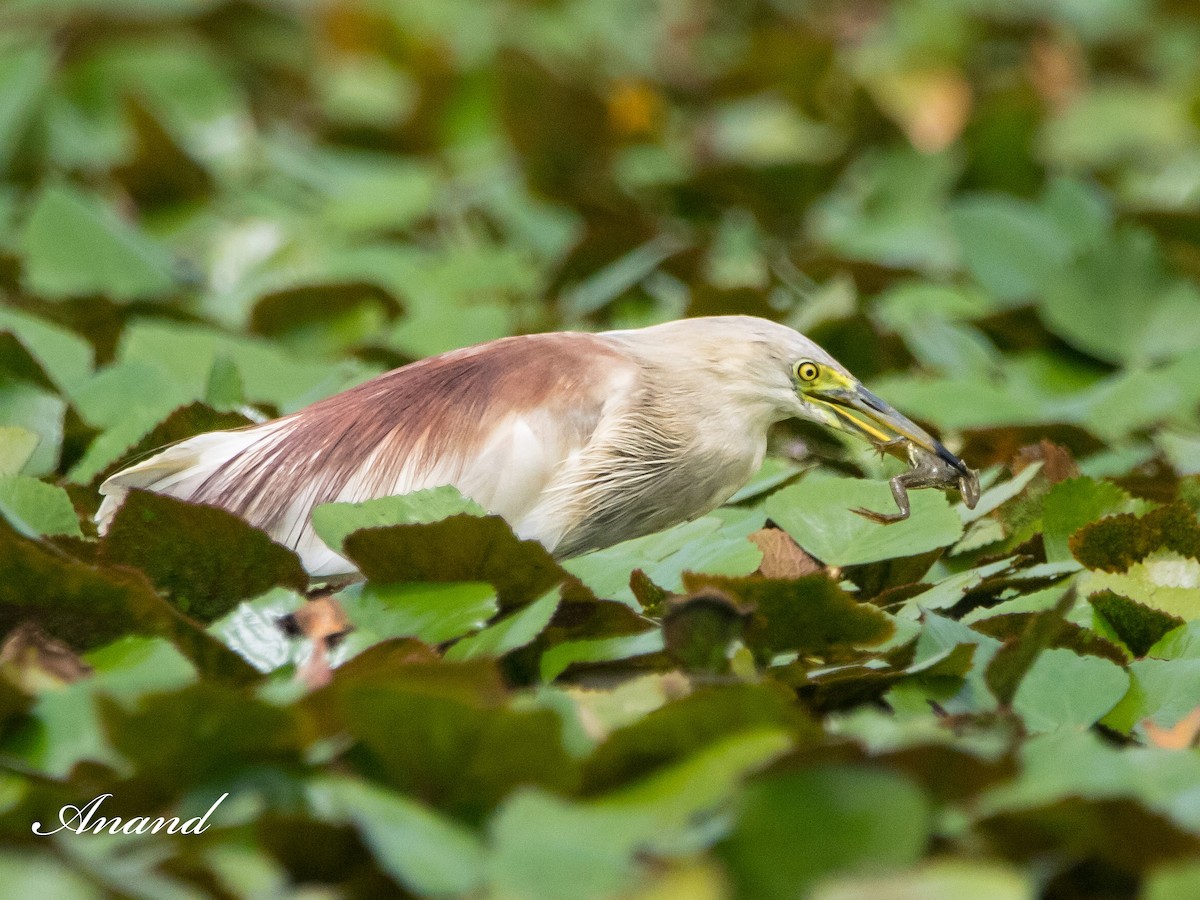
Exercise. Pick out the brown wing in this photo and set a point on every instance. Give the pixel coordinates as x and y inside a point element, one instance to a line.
<point>497,421</point>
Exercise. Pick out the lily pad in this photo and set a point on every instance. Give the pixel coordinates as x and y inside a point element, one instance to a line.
<point>510,633</point>
<point>424,851</point>
<point>334,521</point>
<point>433,613</point>
<point>36,508</point>
<point>817,513</point>
<point>797,827</point>
<point>75,245</point>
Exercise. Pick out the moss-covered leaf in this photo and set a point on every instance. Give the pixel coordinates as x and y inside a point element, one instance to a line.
<point>203,558</point>
<point>458,548</point>
<point>1116,543</point>
<point>806,615</point>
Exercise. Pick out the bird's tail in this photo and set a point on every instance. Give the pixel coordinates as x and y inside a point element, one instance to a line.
<point>177,471</point>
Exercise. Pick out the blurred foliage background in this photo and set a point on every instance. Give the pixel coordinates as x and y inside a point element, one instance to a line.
<point>988,209</point>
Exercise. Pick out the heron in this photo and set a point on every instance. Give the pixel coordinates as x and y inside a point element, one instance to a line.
<point>578,440</point>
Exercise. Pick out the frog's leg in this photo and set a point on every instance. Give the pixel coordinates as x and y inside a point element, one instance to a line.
<point>900,493</point>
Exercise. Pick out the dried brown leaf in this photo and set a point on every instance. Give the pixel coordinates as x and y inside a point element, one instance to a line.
<point>782,556</point>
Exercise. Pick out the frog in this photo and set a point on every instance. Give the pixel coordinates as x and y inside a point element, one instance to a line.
<point>927,469</point>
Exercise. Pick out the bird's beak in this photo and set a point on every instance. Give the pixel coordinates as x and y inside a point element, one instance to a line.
<point>859,412</point>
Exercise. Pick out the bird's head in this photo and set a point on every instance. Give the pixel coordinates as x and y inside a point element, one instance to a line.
<point>828,394</point>
<point>771,372</point>
<point>790,376</point>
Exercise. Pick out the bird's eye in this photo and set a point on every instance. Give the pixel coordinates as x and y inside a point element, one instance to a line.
<point>807,370</point>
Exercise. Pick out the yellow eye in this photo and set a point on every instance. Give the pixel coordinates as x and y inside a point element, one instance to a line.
<point>807,371</point>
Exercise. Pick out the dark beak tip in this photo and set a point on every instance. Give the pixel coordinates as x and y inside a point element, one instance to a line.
<point>953,461</point>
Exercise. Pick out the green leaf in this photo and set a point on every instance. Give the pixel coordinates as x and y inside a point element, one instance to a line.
<point>109,397</point>
<point>433,613</point>
<point>371,192</point>
<point>808,615</point>
<point>1180,643</point>
<point>1161,691</point>
<point>1113,122</point>
<point>204,558</point>
<point>817,513</point>
<point>1118,303</point>
<point>998,495</point>
<point>799,827</point>
<point>1065,690</point>
<point>270,373</point>
<point>334,521</point>
<point>461,752</point>
<point>201,733</point>
<point>1173,881</point>
<point>1164,581</point>
<point>224,390</point>
<point>1081,763</point>
<point>703,545</point>
<point>888,208</point>
<point>1010,246</point>
<point>25,72</point>
<point>510,633</point>
<point>424,851</point>
<point>560,657</point>
<point>75,245</point>
<point>937,879</point>
<point>134,666</point>
<point>86,606</point>
<point>36,508</point>
<point>1138,626</point>
<point>1118,542</point>
<point>773,472</point>
<point>16,447</point>
<point>27,406</point>
<point>68,729</point>
<point>66,357</point>
<point>1072,504</point>
<point>1012,663</point>
<point>460,548</point>
<point>671,732</point>
<point>37,873</point>
<point>947,592</point>
<point>939,636</point>
<point>546,846</point>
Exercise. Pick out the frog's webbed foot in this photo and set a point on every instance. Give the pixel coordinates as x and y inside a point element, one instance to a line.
<point>968,487</point>
<point>885,447</point>
<point>900,493</point>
